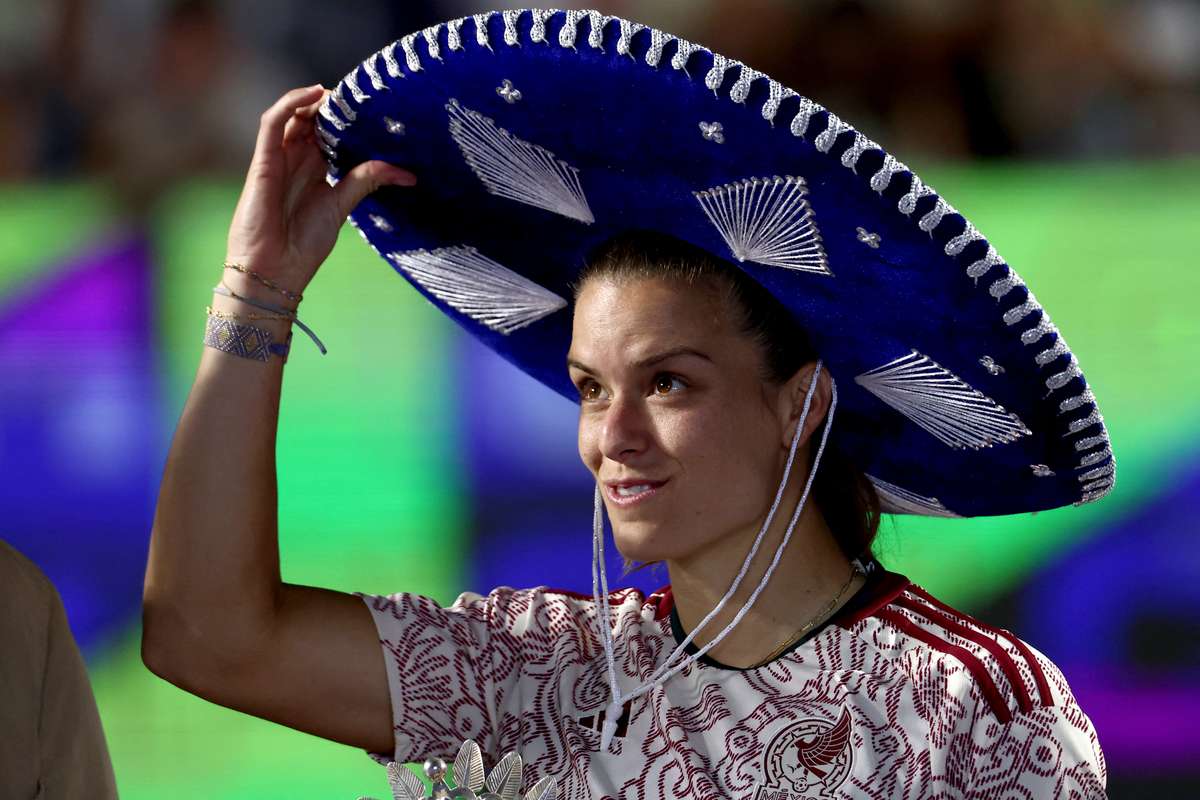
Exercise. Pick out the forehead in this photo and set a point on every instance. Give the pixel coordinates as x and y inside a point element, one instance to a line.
<point>629,315</point>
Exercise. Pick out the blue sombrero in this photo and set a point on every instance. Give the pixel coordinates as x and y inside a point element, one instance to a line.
<point>538,134</point>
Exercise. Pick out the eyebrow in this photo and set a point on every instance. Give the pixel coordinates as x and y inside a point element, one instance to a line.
<point>649,360</point>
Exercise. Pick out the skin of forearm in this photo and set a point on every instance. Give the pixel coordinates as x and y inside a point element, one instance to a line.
<point>213,583</point>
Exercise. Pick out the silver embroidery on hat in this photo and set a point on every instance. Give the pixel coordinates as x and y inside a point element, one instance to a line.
<point>745,80</point>
<point>683,51</point>
<point>481,31</point>
<point>804,115</point>
<point>371,67</point>
<point>351,82</point>
<point>942,403</point>
<point>570,29</point>
<point>514,168</point>
<point>340,102</point>
<point>767,221</point>
<point>959,243</point>
<point>410,53</point>
<point>380,223</point>
<point>454,33</point>
<point>510,26</point>
<point>628,29</point>
<point>658,40</point>
<point>713,132</point>
<point>716,73</point>
<point>871,240</point>
<point>894,499</point>
<point>776,94</point>
<point>991,366</point>
<point>596,23</point>
<point>394,126</point>
<point>326,111</point>
<point>833,128</point>
<point>510,93</point>
<point>479,287</point>
<point>537,30</point>
<point>1041,470</point>
<point>860,145</point>
<point>390,62</point>
<point>883,176</point>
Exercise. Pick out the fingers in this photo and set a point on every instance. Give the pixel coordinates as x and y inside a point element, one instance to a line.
<point>275,118</point>
<point>366,178</point>
<point>302,124</point>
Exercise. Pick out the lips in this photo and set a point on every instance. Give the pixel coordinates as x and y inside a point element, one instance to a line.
<point>631,492</point>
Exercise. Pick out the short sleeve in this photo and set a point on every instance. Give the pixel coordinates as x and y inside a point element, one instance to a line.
<point>448,669</point>
<point>1049,751</point>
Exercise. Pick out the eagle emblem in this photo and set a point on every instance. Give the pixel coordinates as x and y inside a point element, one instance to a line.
<point>807,759</point>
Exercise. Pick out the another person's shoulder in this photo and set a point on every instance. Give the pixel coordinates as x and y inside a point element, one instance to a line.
<point>21,574</point>
<point>24,588</point>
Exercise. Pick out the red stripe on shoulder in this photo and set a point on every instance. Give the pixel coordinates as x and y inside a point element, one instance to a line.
<point>1039,675</point>
<point>947,621</point>
<point>973,664</point>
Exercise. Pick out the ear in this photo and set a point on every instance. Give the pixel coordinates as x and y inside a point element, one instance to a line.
<point>791,403</point>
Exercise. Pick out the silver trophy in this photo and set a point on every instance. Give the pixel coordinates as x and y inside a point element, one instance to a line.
<point>504,782</point>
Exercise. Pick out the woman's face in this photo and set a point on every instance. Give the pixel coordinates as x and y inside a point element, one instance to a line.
<point>675,423</point>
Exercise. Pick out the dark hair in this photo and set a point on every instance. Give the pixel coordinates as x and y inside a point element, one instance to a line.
<point>847,499</point>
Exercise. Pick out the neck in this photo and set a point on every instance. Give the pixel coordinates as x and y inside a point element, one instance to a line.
<point>810,572</point>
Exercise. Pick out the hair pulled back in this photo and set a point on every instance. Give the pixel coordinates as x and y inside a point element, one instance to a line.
<point>846,498</point>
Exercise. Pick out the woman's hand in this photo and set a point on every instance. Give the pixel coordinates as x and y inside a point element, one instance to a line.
<point>287,219</point>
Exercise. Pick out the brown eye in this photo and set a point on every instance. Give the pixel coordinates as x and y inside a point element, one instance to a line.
<point>664,383</point>
<point>589,391</point>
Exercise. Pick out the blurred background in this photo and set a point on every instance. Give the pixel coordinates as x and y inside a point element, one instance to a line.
<point>1068,131</point>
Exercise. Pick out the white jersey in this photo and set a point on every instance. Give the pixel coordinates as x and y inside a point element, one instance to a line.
<point>897,696</point>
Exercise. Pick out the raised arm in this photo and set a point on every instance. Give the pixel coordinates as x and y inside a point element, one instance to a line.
<point>217,619</point>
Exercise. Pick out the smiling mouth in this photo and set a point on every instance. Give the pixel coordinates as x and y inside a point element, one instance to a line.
<point>631,494</point>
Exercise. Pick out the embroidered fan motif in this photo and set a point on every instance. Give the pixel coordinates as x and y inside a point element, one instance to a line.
<point>479,287</point>
<point>897,500</point>
<point>942,403</point>
<point>516,169</point>
<point>767,221</point>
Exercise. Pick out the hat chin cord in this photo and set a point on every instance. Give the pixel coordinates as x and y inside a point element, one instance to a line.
<point>612,712</point>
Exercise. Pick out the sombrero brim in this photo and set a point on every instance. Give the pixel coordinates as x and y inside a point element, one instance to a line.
<point>537,134</point>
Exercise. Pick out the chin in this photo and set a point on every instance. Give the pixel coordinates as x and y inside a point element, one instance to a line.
<point>643,542</point>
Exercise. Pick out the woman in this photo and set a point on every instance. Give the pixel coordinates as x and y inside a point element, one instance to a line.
<point>783,660</point>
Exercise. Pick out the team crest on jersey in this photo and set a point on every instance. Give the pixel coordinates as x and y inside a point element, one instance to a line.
<point>807,759</point>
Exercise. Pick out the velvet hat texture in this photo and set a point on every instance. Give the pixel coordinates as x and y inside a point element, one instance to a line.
<point>538,134</point>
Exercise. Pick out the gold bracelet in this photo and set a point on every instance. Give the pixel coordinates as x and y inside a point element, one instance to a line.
<point>212,312</point>
<point>242,268</point>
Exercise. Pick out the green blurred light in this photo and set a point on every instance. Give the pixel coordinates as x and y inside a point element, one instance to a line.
<point>44,224</point>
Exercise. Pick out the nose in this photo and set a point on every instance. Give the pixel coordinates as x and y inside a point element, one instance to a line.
<point>625,429</point>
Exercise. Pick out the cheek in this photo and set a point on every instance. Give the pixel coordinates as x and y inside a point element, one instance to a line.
<point>589,449</point>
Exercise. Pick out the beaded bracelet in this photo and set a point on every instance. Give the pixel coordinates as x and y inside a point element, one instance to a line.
<point>247,341</point>
<point>289,314</point>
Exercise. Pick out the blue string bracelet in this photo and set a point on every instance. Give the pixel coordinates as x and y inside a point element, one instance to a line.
<point>222,289</point>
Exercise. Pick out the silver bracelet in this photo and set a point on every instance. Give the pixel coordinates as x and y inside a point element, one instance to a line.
<point>247,341</point>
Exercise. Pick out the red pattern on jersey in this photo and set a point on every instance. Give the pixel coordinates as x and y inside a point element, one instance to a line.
<point>923,701</point>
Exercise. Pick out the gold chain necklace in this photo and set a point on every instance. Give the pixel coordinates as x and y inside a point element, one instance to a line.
<point>855,569</point>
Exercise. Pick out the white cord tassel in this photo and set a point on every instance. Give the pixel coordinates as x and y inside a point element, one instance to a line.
<point>600,579</point>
